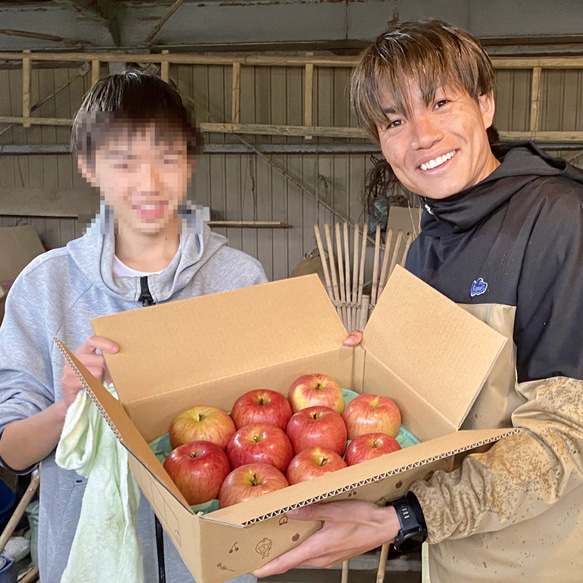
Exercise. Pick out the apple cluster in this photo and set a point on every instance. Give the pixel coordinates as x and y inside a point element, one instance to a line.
<point>269,441</point>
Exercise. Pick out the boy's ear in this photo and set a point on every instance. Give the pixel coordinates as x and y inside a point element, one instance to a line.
<point>87,170</point>
<point>487,108</point>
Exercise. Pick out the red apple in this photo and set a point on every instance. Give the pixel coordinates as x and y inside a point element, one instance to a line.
<point>260,443</point>
<point>202,424</point>
<point>312,463</point>
<point>261,406</point>
<point>316,389</point>
<point>372,414</point>
<point>198,470</point>
<point>317,426</point>
<point>367,447</point>
<point>250,481</point>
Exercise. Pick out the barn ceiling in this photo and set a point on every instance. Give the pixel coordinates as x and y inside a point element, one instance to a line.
<point>340,25</point>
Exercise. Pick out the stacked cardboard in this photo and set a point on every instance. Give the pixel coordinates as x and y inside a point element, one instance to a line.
<point>18,247</point>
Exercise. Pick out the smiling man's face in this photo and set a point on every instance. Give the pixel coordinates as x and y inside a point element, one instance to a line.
<point>143,178</point>
<point>438,149</point>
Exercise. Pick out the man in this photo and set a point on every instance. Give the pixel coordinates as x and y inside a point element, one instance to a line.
<point>134,142</point>
<point>502,234</point>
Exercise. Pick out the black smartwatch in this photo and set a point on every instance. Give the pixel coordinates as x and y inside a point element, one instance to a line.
<point>413,530</point>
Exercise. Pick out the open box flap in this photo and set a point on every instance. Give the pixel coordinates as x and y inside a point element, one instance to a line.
<point>114,414</point>
<point>356,476</point>
<point>241,330</point>
<point>446,354</point>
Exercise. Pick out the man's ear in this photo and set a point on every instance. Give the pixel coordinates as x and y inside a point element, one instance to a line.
<point>487,108</point>
<point>87,170</point>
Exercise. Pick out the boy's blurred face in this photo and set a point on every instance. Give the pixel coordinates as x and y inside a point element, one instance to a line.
<point>143,177</point>
<point>438,149</point>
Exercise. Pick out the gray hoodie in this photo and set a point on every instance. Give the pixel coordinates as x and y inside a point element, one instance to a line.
<point>57,295</point>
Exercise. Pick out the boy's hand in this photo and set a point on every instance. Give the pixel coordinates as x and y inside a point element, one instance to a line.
<point>350,528</point>
<point>95,364</point>
<point>353,339</point>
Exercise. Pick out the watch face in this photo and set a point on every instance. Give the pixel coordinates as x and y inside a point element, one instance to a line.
<point>409,542</point>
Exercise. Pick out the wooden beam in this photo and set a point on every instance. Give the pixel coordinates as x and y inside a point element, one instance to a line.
<point>95,71</point>
<point>236,94</point>
<point>566,136</point>
<point>328,132</point>
<point>531,62</point>
<point>43,121</point>
<point>279,130</point>
<point>535,99</point>
<point>26,67</point>
<point>276,60</point>
<point>165,69</point>
<point>309,97</point>
<point>91,10</point>
<point>250,224</point>
<point>164,20</point>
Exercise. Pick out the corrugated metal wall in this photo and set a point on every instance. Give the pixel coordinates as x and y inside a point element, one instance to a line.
<point>246,186</point>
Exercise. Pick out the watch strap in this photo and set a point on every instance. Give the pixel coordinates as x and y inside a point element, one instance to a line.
<point>413,528</point>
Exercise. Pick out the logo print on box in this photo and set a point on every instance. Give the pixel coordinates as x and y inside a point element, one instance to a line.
<point>479,287</point>
<point>263,547</point>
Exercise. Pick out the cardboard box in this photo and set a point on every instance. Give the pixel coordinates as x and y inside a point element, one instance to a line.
<point>419,348</point>
<point>18,247</point>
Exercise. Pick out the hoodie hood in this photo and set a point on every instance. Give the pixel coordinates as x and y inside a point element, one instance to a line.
<point>520,165</point>
<point>94,254</point>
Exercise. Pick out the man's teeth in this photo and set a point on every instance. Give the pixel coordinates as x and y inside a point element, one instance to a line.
<point>149,207</point>
<point>437,161</point>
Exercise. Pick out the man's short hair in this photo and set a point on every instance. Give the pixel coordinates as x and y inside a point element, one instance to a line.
<point>428,53</point>
<point>131,100</point>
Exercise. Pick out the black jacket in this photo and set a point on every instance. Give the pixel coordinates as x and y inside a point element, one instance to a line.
<point>510,250</point>
<point>515,239</point>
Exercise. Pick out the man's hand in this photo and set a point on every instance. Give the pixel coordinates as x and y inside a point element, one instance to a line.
<point>353,339</point>
<point>94,362</point>
<point>350,528</point>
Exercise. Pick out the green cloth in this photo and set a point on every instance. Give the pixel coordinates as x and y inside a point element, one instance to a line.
<point>106,546</point>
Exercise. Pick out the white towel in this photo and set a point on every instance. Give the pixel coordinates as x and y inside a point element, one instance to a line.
<point>106,546</point>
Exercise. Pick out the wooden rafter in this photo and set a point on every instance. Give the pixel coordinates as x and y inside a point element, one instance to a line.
<point>90,9</point>
<point>308,63</point>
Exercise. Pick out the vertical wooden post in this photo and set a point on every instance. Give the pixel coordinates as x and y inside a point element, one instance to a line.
<point>308,95</point>
<point>535,99</point>
<point>165,68</point>
<point>236,98</point>
<point>26,67</point>
<point>95,69</point>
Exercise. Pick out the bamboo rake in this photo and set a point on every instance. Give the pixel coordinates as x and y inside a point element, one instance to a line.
<point>375,266</point>
<point>355,278</point>
<point>363,314</point>
<point>345,282</point>
<point>333,268</point>
<point>349,298</point>
<point>325,266</point>
<point>341,274</point>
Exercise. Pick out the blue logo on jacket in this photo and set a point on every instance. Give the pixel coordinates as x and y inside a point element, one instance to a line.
<point>479,286</point>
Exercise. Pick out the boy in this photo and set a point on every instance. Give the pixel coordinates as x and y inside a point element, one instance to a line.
<point>502,234</point>
<point>134,142</point>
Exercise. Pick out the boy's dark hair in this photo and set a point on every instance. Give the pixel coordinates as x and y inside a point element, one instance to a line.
<point>429,53</point>
<point>131,98</point>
